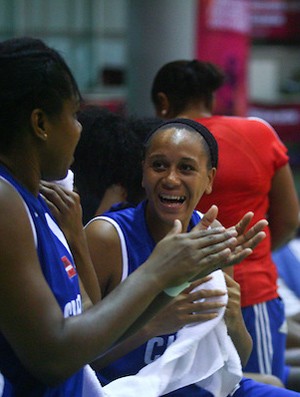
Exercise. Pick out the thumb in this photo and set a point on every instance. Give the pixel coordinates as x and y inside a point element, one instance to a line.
<point>209,217</point>
<point>176,229</point>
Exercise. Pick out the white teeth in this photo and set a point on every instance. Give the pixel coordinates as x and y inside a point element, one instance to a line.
<point>175,198</point>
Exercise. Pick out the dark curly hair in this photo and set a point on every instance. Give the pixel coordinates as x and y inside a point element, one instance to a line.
<point>109,152</point>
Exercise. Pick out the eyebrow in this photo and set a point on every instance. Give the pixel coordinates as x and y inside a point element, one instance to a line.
<point>153,156</point>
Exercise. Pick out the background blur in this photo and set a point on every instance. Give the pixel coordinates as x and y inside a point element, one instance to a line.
<point>115,47</point>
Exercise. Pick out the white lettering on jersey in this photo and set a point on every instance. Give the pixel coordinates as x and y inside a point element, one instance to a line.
<point>73,308</point>
<point>156,346</point>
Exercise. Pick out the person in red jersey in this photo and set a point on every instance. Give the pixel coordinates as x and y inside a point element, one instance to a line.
<point>253,174</point>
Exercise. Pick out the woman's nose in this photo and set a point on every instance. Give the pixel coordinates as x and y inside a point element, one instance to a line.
<point>172,177</point>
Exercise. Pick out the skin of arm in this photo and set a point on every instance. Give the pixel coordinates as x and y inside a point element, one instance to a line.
<point>293,336</point>
<point>283,214</point>
<point>235,322</point>
<point>41,337</point>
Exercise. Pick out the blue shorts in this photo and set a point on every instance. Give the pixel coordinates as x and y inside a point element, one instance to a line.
<point>247,388</point>
<point>251,388</point>
<point>266,324</point>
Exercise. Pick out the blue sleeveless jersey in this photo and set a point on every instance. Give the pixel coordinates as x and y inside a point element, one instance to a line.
<point>139,245</point>
<point>59,270</point>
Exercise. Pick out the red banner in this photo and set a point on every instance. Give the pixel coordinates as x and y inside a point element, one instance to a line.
<point>223,32</point>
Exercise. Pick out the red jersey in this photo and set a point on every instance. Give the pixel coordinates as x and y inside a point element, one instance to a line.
<point>250,152</point>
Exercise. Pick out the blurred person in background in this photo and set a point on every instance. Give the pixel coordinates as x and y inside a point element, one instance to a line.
<point>254,174</point>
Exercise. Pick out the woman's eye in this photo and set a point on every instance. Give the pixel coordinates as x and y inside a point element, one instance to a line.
<point>186,167</point>
<point>158,165</point>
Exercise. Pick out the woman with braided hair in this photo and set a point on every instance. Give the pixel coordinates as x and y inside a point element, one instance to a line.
<point>46,341</point>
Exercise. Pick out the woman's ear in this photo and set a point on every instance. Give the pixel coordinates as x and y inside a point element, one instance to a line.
<point>163,105</point>
<point>38,122</point>
<point>211,177</point>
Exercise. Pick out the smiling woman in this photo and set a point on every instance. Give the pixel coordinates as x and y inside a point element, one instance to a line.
<point>179,166</point>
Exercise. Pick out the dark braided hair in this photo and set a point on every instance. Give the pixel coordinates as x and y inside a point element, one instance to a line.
<point>32,75</point>
<point>186,82</point>
<point>209,140</point>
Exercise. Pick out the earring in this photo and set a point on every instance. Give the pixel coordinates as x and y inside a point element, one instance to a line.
<point>164,112</point>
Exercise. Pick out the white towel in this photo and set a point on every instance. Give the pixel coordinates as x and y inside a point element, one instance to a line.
<point>203,354</point>
<point>67,182</point>
<point>91,385</point>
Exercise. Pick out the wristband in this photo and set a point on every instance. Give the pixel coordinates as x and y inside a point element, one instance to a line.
<point>174,291</point>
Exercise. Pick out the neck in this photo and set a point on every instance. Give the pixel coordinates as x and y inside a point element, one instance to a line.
<point>158,228</point>
<point>22,169</point>
<point>194,114</point>
<point>196,111</point>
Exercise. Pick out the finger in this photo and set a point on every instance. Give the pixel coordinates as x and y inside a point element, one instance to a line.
<point>54,186</point>
<point>238,257</point>
<point>213,244</point>
<point>212,262</point>
<point>204,307</point>
<point>51,194</point>
<point>197,283</point>
<point>256,229</point>
<point>210,236</point>
<point>59,196</point>
<point>229,280</point>
<point>201,317</point>
<point>206,293</point>
<point>208,218</point>
<point>54,210</point>
<point>242,225</point>
<point>176,229</point>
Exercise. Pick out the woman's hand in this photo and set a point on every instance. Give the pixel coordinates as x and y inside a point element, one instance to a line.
<point>247,240</point>
<point>66,208</point>
<point>189,307</point>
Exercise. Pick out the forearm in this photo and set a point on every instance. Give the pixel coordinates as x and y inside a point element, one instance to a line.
<point>121,349</point>
<point>241,340</point>
<point>93,332</point>
<point>293,336</point>
<point>283,212</point>
<point>282,234</point>
<point>138,333</point>
<point>85,269</point>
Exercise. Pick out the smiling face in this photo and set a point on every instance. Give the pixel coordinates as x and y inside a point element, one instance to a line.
<point>175,176</point>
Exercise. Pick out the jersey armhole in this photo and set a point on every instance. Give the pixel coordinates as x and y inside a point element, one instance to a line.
<point>122,242</point>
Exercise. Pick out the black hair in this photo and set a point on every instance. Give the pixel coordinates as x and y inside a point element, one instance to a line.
<point>185,82</point>
<point>32,75</point>
<point>109,152</point>
<point>209,140</point>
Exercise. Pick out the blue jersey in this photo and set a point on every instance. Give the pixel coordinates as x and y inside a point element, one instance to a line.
<point>60,273</point>
<point>137,245</point>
